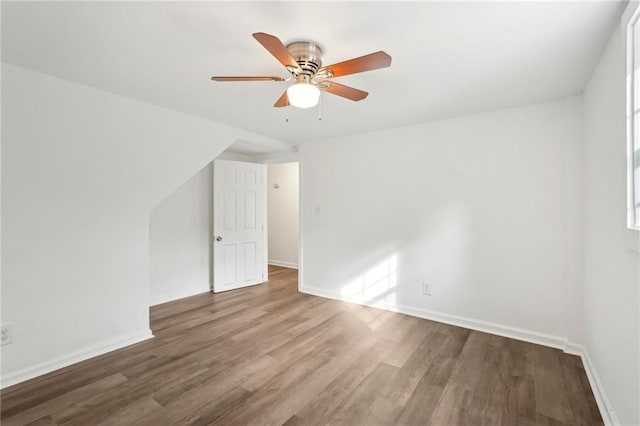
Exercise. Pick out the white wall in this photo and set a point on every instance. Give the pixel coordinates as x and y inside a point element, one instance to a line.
<point>81,171</point>
<point>283,214</point>
<point>485,207</point>
<point>612,272</point>
<point>180,249</point>
<point>181,227</point>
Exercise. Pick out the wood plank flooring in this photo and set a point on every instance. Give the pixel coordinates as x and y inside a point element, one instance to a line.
<point>269,355</point>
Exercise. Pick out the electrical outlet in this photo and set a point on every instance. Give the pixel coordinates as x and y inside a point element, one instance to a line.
<point>6,334</point>
<point>426,288</point>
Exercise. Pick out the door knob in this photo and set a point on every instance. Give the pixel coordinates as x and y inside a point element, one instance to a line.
<point>218,238</point>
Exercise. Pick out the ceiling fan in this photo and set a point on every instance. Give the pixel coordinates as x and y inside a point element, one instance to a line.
<point>303,59</point>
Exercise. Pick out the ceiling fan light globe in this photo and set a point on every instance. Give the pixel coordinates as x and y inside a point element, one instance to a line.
<point>303,95</point>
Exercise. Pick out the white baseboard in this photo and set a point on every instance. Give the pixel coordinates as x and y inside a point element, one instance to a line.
<point>73,358</point>
<point>563,343</point>
<point>604,405</point>
<point>283,264</point>
<point>470,323</point>
<point>164,298</point>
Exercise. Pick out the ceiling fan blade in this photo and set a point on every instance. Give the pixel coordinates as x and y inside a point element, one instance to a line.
<point>277,49</point>
<point>369,62</point>
<point>282,101</point>
<point>344,91</point>
<point>217,78</point>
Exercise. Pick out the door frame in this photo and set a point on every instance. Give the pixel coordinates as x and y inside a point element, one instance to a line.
<point>289,157</point>
<point>300,215</point>
<point>282,159</point>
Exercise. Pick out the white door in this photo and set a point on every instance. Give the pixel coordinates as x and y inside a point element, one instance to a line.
<point>238,224</point>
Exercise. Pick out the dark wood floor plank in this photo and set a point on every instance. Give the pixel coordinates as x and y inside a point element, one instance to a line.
<point>178,322</point>
<point>227,376</point>
<point>407,377</point>
<point>101,406</point>
<point>42,410</point>
<point>364,401</point>
<point>198,399</point>
<point>132,413</point>
<point>43,421</point>
<point>295,421</point>
<point>211,412</point>
<point>289,390</point>
<point>59,384</point>
<point>551,389</point>
<point>336,393</point>
<point>409,343</point>
<point>269,355</point>
<point>426,396</point>
<point>583,403</point>
<point>478,389</point>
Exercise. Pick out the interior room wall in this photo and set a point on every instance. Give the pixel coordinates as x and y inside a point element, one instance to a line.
<point>612,257</point>
<point>81,171</point>
<point>283,216</point>
<point>180,246</point>
<point>181,227</point>
<point>485,209</point>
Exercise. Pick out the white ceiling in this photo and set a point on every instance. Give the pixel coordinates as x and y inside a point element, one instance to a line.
<point>449,59</point>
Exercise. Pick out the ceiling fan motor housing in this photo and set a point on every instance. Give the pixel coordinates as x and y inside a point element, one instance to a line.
<point>308,55</point>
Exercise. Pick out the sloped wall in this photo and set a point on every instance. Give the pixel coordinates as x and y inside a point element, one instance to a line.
<point>180,246</point>
<point>81,171</point>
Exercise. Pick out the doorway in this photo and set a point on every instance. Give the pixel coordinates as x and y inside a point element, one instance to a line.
<point>283,203</point>
<point>256,220</point>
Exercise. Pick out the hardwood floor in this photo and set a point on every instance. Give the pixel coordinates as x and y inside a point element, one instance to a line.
<point>270,355</point>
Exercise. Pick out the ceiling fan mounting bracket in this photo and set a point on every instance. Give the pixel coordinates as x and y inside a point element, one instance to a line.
<point>308,55</point>
<point>303,78</point>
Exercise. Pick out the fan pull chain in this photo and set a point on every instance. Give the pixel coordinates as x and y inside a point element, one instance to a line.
<point>320,108</point>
